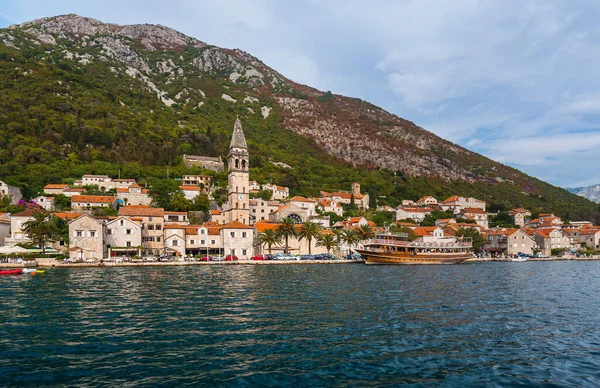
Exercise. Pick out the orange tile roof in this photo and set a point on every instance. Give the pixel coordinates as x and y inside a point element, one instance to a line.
<point>93,198</point>
<point>141,211</point>
<point>28,213</point>
<point>174,213</point>
<point>68,216</point>
<point>236,225</point>
<point>214,231</point>
<point>122,190</point>
<point>298,198</point>
<point>56,186</point>
<point>417,209</point>
<point>262,225</point>
<point>173,226</point>
<point>452,199</point>
<point>135,186</point>
<point>215,212</point>
<point>190,188</point>
<point>545,232</point>
<point>355,219</point>
<point>474,210</point>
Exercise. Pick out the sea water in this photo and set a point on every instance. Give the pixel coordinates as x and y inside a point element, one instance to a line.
<point>504,324</point>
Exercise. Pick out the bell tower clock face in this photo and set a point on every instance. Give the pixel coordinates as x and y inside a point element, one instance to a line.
<point>240,196</point>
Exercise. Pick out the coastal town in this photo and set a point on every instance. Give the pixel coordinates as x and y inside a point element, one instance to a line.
<point>120,222</point>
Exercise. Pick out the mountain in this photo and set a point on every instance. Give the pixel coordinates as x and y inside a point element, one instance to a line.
<point>590,192</point>
<point>82,96</point>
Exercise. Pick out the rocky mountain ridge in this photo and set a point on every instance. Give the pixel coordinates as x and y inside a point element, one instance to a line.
<point>347,128</point>
<point>83,90</point>
<point>590,192</point>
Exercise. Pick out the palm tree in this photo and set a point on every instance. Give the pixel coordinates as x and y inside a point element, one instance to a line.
<point>309,231</point>
<point>268,237</point>
<point>366,232</point>
<point>40,229</point>
<point>351,237</point>
<point>327,241</point>
<point>285,230</point>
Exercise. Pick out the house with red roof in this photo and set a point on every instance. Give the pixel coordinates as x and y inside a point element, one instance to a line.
<point>414,213</point>
<point>79,202</point>
<point>551,238</point>
<point>456,203</point>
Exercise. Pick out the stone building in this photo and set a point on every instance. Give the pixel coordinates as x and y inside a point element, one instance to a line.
<point>238,182</point>
<point>86,239</point>
<point>207,162</point>
<point>13,192</point>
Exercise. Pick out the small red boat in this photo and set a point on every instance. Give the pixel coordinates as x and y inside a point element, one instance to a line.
<point>17,271</point>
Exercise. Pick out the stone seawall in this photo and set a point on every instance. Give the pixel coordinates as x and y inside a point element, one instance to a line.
<point>48,263</point>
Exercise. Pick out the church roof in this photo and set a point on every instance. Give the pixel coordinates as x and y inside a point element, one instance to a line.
<point>237,139</point>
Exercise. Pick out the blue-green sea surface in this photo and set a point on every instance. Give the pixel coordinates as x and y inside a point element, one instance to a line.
<point>500,324</point>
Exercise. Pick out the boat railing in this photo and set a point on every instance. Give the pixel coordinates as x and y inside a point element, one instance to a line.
<point>417,244</point>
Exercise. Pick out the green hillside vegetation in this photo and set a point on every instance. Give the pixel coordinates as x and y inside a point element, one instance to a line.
<point>60,120</point>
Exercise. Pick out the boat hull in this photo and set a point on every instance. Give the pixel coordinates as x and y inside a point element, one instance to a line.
<point>11,271</point>
<point>419,259</point>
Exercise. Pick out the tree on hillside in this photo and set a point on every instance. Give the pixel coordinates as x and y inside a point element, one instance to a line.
<point>269,237</point>
<point>435,215</point>
<point>200,203</point>
<point>41,230</point>
<point>162,190</point>
<point>309,231</point>
<point>502,219</point>
<point>477,238</point>
<point>179,203</point>
<point>285,230</point>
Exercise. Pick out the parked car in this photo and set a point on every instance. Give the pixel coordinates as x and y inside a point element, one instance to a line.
<point>270,257</point>
<point>307,257</point>
<point>259,257</point>
<point>218,258</point>
<point>231,258</point>
<point>542,255</point>
<point>206,258</point>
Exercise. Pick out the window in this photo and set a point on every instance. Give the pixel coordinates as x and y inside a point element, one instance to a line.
<point>192,242</point>
<point>79,233</point>
<point>149,218</point>
<point>243,252</point>
<point>158,227</point>
<point>232,234</point>
<point>127,231</point>
<point>201,231</point>
<point>233,252</point>
<point>121,222</point>
<point>213,242</point>
<point>202,242</point>
<point>92,233</point>
<point>158,239</point>
<point>244,234</point>
<point>150,227</point>
<point>109,231</point>
<point>174,243</point>
<point>128,244</point>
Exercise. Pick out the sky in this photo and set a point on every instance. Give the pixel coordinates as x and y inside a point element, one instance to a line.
<point>515,80</point>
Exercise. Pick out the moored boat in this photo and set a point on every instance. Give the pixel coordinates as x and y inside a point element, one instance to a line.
<point>519,259</point>
<point>391,248</point>
<point>29,270</point>
<point>17,271</point>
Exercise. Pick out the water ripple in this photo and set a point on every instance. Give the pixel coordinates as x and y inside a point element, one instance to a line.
<point>501,324</point>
